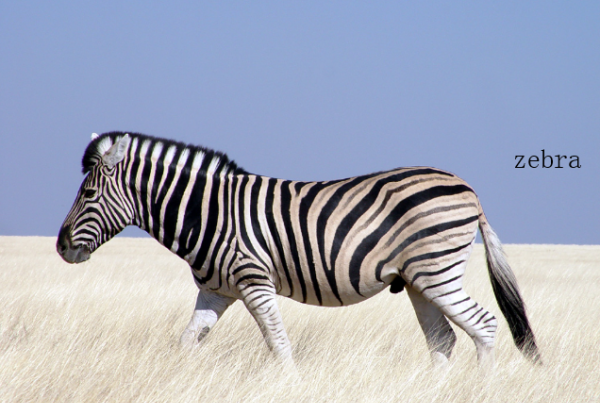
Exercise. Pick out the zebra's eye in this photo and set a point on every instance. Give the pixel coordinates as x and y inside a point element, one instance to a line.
<point>90,193</point>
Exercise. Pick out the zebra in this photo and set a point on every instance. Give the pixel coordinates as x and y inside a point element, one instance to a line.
<point>332,243</point>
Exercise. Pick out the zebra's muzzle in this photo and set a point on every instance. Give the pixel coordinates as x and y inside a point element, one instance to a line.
<point>69,252</point>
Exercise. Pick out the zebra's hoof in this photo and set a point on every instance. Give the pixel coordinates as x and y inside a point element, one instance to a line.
<point>188,340</point>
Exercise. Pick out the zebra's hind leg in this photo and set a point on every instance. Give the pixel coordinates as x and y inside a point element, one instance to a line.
<point>209,308</point>
<point>438,333</point>
<point>475,320</point>
<point>442,286</point>
<point>463,311</point>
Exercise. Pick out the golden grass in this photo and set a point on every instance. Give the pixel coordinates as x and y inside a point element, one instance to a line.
<point>107,330</point>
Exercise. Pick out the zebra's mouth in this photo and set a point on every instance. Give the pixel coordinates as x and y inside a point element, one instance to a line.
<point>77,254</point>
<point>69,252</point>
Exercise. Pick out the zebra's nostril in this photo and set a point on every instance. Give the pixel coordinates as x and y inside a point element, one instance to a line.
<point>63,242</point>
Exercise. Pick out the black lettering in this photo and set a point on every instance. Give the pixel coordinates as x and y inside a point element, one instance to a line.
<point>574,159</point>
<point>547,161</point>
<point>534,158</point>
<point>519,161</point>
<point>544,156</point>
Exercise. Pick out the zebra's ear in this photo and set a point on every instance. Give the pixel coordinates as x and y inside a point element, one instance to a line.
<point>94,136</point>
<point>116,153</point>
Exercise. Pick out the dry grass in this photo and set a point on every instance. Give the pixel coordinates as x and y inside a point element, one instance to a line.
<point>107,330</point>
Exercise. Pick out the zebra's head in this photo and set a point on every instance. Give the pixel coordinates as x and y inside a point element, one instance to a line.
<point>100,210</point>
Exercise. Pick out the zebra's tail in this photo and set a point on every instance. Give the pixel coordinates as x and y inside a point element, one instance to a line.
<point>507,292</point>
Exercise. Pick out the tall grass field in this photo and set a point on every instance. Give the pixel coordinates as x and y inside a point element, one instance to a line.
<point>107,331</point>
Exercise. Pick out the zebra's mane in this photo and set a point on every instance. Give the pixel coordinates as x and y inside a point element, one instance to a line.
<point>214,161</point>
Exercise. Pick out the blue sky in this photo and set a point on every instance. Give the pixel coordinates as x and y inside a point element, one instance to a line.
<point>312,91</point>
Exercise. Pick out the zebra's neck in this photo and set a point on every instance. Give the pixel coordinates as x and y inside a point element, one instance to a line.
<point>170,186</point>
<point>159,150</point>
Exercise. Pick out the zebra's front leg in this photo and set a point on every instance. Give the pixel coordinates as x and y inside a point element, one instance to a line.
<point>210,306</point>
<point>261,303</point>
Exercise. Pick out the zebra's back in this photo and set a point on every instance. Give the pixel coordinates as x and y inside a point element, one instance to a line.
<point>340,242</point>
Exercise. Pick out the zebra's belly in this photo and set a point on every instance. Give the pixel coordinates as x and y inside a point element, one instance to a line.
<point>344,296</point>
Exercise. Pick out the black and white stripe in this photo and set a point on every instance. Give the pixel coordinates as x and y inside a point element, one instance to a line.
<point>331,243</point>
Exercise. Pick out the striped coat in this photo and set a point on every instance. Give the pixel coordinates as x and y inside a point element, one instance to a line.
<point>333,243</point>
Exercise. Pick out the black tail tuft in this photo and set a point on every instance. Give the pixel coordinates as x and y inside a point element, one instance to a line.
<point>513,309</point>
<point>507,294</point>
